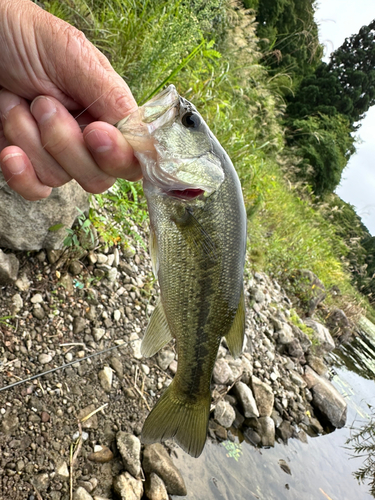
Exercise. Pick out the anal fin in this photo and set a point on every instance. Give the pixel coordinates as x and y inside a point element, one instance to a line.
<point>157,333</point>
<point>235,336</point>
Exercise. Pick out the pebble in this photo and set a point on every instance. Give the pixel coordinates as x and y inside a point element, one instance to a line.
<point>224,414</point>
<point>102,456</point>
<point>44,358</point>
<point>165,358</point>
<point>38,311</point>
<point>98,333</point>
<point>129,447</point>
<point>82,494</point>
<point>106,377</point>
<point>127,487</point>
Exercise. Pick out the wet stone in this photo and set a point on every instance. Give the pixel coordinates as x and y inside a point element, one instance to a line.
<point>155,488</point>
<point>224,414</point>
<point>156,459</point>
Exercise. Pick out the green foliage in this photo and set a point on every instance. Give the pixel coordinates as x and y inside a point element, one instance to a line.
<point>325,144</point>
<point>288,34</point>
<point>360,244</point>
<point>362,444</point>
<point>324,110</point>
<point>127,206</point>
<point>81,234</point>
<point>345,85</point>
<point>296,320</point>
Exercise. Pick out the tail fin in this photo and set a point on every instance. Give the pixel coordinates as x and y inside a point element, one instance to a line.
<point>178,419</point>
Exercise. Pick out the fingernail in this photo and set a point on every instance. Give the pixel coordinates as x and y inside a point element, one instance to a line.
<point>42,108</point>
<point>15,163</point>
<point>8,103</point>
<point>98,141</point>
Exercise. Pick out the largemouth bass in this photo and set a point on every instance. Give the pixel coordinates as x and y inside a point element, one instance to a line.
<point>197,246</point>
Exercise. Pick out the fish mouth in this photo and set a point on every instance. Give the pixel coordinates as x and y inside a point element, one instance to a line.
<point>185,194</point>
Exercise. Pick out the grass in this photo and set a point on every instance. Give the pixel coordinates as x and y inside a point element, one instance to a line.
<point>211,55</point>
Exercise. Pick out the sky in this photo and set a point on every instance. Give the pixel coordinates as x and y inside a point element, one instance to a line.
<point>337,20</point>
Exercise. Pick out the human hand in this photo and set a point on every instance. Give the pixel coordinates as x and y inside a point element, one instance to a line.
<point>51,63</point>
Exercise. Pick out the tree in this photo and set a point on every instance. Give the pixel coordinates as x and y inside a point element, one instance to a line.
<point>345,85</point>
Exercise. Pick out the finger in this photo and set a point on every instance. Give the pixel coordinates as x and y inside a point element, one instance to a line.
<point>20,129</point>
<point>111,151</point>
<point>63,139</point>
<point>20,174</point>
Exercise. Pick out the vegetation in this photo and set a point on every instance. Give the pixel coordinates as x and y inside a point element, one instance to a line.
<point>212,54</point>
<point>327,106</point>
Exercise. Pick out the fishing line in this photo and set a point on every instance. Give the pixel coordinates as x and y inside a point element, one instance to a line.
<point>62,366</point>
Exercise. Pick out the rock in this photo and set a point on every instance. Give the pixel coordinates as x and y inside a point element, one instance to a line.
<point>295,350</point>
<point>165,358</point>
<point>127,487</point>
<point>53,255</point>
<point>246,398</point>
<point>326,398</point>
<point>155,488</point>
<point>9,264</point>
<point>302,338</point>
<point>66,281</point>
<point>37,298</point>
<point>285,334</point>
<point>224,414</point>
<point>82,494</point>
<point>41,481</point>
<point>297,380</point>
<point>75,268</point>
<point>267,431</point>
<point>156,459</point>
<point>79,324</point>
<point>23,283</point>
<point>117,366</point>
<point>129,447</point>
<point>338,323</point>
<point>222,373</point>
<point>98,333</point>
<point>90,423</point>
<point>106,377</point>
<point>285,467</point>
<point>44,358</point>
<point>309,289</point>
<point>252,436</point>
<point>285,431</point>
<point>62,470</point>
<point>321,334</point>
<point>9,424</point>
<point>102,456</point>
<point>24,225</point>
<point>38,311</point>
<point>263,396</point>
<point>318,365</point>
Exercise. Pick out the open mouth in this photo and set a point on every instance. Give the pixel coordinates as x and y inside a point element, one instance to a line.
<point>186,194</point>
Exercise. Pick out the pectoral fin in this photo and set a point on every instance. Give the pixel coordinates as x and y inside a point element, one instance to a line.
<point>157,333</point>
<point>195,234</point>
<point>235,336</point>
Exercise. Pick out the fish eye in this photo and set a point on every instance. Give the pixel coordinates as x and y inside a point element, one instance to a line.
<point>190,120</point>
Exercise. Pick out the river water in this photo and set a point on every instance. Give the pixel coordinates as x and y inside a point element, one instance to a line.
<point>322,469</point>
